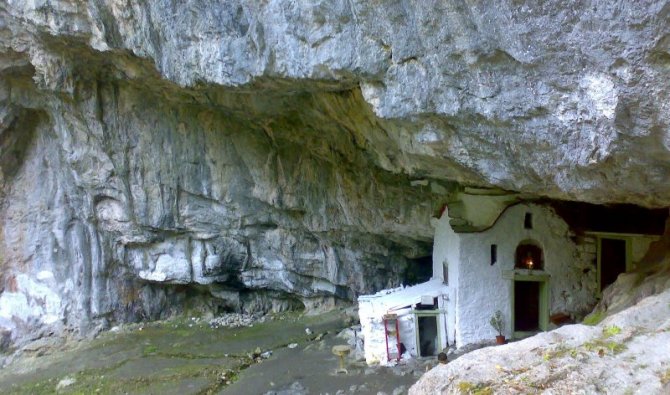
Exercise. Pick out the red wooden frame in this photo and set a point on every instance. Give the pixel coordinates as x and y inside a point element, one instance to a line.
<point>392,318</point>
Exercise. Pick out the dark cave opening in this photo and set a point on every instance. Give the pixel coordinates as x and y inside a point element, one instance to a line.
<point>418,270</point>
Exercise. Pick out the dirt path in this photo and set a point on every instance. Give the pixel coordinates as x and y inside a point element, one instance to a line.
<point>187,357</point>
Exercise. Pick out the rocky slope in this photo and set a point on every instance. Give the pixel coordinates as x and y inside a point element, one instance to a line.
<point>280,153</point>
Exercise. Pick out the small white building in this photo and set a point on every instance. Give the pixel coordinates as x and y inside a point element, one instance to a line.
<point>529,263</point>
<point>420,314</point>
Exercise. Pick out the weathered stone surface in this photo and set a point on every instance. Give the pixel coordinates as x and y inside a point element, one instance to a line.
<point>122,190</point>
<point>297,149</point>
<point>544,98</point>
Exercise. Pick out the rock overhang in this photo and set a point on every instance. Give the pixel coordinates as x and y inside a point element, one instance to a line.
<point>528,114</point>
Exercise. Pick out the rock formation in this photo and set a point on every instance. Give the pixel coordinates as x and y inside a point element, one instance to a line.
<point>246,155</point>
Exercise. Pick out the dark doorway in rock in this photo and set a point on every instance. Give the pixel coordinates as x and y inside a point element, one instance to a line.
<point>418,270</point>
<point>612,260</point>
<point>526,306</point>
<point>428,338</point>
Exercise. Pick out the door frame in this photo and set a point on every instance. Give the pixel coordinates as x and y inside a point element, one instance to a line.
<point>615,236</point>
<point>427,313</point>
<point>543,318</point>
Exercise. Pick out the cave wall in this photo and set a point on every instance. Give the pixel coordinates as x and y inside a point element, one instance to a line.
<point>125,202</point>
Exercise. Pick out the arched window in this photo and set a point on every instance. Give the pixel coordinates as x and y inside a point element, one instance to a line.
<point>529,256</point>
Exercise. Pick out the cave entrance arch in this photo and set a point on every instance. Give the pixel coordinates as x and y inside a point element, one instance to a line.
<point>418,270</point>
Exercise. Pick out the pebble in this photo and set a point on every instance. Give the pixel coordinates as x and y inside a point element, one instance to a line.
<point>66,382</point>
<point>233,320</point>
<point>292,345</point>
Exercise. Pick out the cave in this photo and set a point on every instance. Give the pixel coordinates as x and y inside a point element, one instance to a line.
<point>175,158</point>
<point>418,270</point>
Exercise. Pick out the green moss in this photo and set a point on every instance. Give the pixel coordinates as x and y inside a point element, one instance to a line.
<point>611,331</point>
<point>467,388</point>
<point>616,347</point>
<point>150,349</point>
<point>559,352</point>
<point>464,387</point>
<point>162,355</point>
<point>600,344</point>
<point>594,318</point>
<point>105,381</point>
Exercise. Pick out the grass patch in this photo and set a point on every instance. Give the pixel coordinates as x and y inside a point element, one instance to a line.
<point>611,331</point>
<point>559,352</point>
<point>150,349</point>
<point>594,318</point>
<point>601,345</point>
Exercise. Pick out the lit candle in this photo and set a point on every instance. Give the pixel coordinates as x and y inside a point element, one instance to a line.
<point>529,262</point>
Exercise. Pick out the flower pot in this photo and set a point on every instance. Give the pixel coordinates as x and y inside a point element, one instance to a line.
<point>500,339</point>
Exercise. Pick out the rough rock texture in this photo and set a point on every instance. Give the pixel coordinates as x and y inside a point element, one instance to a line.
<point>297,148</point>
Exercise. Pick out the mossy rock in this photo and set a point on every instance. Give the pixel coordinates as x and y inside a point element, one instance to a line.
<point>594,318</point>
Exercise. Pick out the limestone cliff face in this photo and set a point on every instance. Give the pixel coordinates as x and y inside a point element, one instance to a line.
<point>284,152</point>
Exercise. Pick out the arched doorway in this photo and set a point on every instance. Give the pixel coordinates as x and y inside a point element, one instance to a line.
<point>530,290</point>
<point>529,255</point>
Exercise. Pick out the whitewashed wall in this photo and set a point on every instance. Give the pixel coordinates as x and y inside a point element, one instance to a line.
<point>374,337</point>
<point>481,289</point>
<point>372,329</point>
<point>372,308</point>
<point>446,248</point>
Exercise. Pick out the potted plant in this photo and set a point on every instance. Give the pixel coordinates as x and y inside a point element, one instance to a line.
<point>498,323</point>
